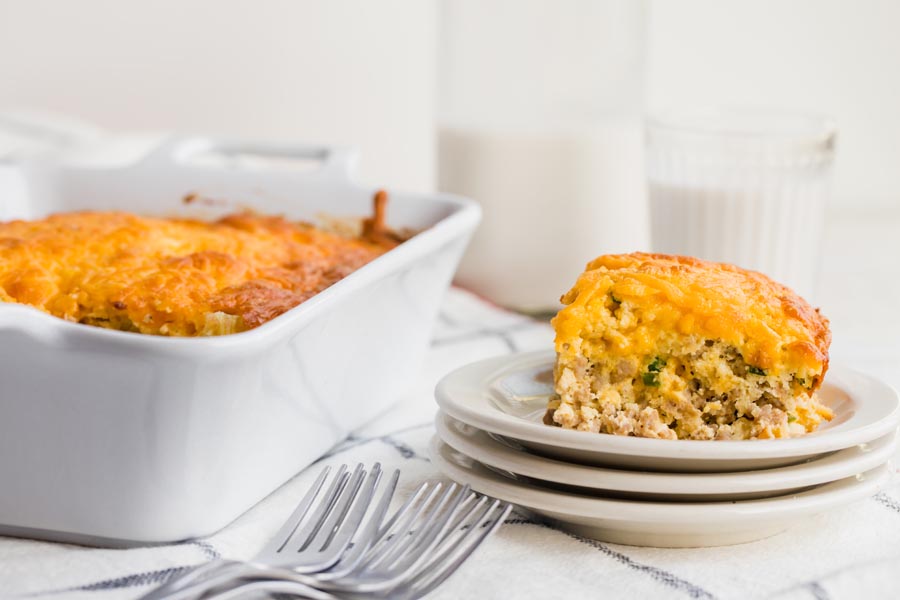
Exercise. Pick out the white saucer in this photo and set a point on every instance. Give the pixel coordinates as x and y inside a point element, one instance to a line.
<point>669,525</point>
<point>508,396</point>
<point>661,487</point>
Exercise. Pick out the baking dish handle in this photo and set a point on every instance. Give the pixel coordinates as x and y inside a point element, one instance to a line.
<point>210,154</point>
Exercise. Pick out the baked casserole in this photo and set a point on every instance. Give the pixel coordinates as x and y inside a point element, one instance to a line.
<point>674,347</point>
<point>178,276</point>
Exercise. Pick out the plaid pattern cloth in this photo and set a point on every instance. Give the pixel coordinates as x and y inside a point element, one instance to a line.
<point>853,552</point>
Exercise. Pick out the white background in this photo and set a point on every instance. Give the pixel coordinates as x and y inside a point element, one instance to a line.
<point>339,71</point>
<point>833,56</point>
<point>363,72</point>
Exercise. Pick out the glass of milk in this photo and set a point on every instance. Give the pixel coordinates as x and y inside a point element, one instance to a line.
<point>539,117</point>
<point>742,186</point>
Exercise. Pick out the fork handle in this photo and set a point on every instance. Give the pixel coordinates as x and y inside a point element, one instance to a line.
<point>219,573</point>
<point>285,582</point>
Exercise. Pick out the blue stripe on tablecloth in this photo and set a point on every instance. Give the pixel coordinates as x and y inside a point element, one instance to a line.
<point>405,450</point>
<point>819,593</point>
<point>208,549</point>
<point>501,333</point>
<point>815,587</point>
<point>352,441</point>
<point>116,583</point>
<point>661,575</point>
<point>885,500</point>
<point>137,579</point>
<point>133,580</point>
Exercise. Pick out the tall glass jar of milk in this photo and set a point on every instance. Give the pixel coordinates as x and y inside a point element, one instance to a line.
<point>540,105</point>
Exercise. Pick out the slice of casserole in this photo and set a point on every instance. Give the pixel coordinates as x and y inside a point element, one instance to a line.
<point>175,276</point>
<point>673,347</point>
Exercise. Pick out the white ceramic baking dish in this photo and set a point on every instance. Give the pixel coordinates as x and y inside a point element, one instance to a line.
<point>118,438</point>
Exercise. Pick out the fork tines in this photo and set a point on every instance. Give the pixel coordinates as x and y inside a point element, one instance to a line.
<point>339,540</point>
<point>424,542</point>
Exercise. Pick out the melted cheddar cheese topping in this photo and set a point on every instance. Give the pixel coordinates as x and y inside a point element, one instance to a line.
<point>774,329</point>
<point>171,276</point>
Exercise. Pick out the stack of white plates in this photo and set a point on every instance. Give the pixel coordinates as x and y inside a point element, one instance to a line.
<point>649,492</point>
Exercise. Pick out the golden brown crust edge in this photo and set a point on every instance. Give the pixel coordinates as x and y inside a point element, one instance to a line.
<point>180,277</point>
<point>807,329</point>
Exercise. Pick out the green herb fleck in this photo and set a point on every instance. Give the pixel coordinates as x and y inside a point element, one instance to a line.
<point>756,371</point>
<point>651,379</point>
<point>791,418</point>
<point>615,300</point>
<point>801,381</point>
<point>657,365</point>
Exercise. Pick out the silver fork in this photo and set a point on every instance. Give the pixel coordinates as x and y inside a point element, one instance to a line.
<point>305,545</point>
<point>454,553</point>
<point>422,545</point>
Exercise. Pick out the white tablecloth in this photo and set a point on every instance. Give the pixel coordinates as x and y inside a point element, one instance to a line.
<point>853,552</point>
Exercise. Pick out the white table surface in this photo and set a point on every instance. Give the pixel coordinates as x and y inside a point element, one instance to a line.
<point>852,552</point>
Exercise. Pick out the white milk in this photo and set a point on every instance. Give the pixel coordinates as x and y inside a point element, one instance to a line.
<point>775,229</point>
<point>551,201</point>
<point>742,186</point>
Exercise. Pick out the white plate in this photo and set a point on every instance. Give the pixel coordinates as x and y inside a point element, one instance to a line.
<point>669,525</point>
<point>669,487</point>
<point>508,396</point>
